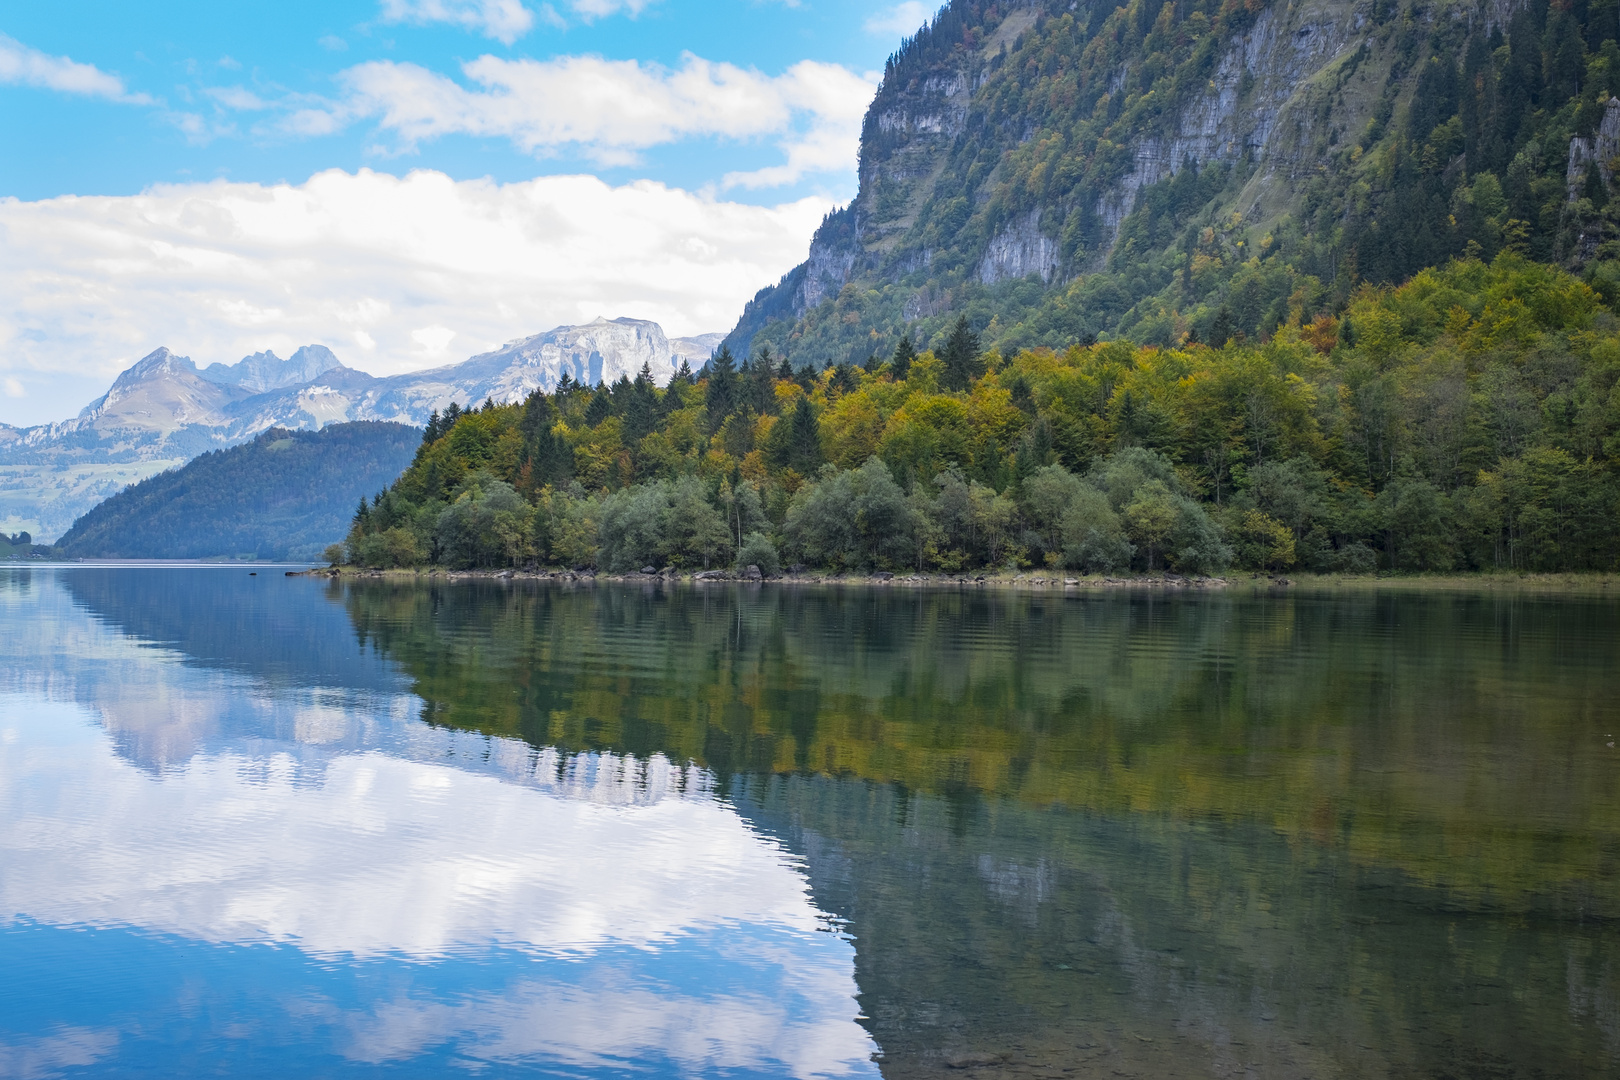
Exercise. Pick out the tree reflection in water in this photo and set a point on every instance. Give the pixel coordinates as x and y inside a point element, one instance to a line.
<point>1330,835</point>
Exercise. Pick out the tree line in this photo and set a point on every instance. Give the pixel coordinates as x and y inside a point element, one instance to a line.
<point>1466,420</point>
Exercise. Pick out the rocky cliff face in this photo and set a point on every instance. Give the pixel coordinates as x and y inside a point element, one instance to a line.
<point>266,371</point>
<point>1062,167</point>
<point>159,393</point>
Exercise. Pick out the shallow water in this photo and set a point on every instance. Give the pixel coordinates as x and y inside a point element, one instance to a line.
<point>272,826</point>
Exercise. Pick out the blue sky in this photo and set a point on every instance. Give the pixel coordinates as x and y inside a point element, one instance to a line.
<point>406,181</point>
<point>208,67</point>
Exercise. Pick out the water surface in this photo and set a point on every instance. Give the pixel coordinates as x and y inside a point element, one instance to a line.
<point>266,825</point>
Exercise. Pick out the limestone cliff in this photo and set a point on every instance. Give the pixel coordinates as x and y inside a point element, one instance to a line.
<point>1060,169</point>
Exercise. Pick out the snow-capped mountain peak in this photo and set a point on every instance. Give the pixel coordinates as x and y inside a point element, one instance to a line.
<point>162,410</point>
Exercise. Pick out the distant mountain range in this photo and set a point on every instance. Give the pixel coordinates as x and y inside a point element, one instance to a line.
<point>163,410</point>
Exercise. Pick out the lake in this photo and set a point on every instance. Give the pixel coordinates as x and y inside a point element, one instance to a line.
<point>273,826</point>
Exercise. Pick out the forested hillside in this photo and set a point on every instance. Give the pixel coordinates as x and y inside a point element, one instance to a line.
<point>285,495</point>
<point>1465,420</point>
<point>1178,170</point>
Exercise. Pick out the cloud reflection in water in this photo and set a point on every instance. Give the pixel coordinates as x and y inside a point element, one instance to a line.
<point>596,911</point>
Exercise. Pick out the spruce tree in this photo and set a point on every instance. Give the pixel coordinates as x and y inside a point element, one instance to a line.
<point>721,398</point>
<point>761,388</point>
<point>904,354</point>
<point>960,356</point>
<point>641,405</point>
<point>600,408</point>
<point>804,439</point>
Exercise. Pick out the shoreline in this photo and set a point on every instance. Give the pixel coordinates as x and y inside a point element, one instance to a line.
<point>1573,583</point>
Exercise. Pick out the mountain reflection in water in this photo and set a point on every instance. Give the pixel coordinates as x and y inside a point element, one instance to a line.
<point>1328,835</point>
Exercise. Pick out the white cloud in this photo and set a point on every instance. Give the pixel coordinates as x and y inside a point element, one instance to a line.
<point>21,65</point>
<point>601,9</point>
<point>433,340</point>
<point>503,20</point>
<point>236,97</point>
<point>333,43</point>
<point>611,109</point>
<point>903,19</point>
<point>360,262</point>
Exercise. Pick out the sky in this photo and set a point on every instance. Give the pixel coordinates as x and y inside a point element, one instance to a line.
<point>409,182</point>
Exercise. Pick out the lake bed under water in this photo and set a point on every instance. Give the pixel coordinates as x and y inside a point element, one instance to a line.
<point>270,826</point>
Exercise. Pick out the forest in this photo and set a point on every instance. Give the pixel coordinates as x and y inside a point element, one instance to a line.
<point>1466,420</point>
<point>282,496</point>
<point>1439,131</point>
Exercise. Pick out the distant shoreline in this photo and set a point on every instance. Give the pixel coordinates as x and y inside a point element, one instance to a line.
<point>1594,583</point>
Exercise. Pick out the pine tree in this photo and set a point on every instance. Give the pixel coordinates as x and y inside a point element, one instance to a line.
<point>641,405</point>
<point>904,354</point>
<point>600,408</point>
<point>538,418</point>
<point>721,398</point>
<point>960,355</point>
<point>804,439</point>
<point>761,387</point>
<point>844,374</point>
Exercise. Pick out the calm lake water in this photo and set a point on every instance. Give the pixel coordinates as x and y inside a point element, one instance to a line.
<point>269,826</point>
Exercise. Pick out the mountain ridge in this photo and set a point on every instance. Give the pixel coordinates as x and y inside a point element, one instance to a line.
<point>163,411</point>
<point>284,494</point>
<point>1058,171</point>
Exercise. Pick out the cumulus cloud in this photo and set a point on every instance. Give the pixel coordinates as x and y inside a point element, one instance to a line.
<point>611,109</point>
<point>902,19</point>
<point>21,65</point>
<point>375,266</point>
<point>503,20</point>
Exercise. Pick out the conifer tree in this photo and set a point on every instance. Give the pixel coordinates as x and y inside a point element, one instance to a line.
<point>804,439</point>
<point>960,355</point>
<point>904,354</point>
<point>600,408</point>
<point>721,398</point>
<point>761,387</point>
<point>641,405</point>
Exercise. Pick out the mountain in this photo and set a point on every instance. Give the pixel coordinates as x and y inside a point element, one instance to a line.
<point>266,371</point>
<point>1057,171</point>
<point>286,494</point>
<point>163,411</point>
<point>161,393</point>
